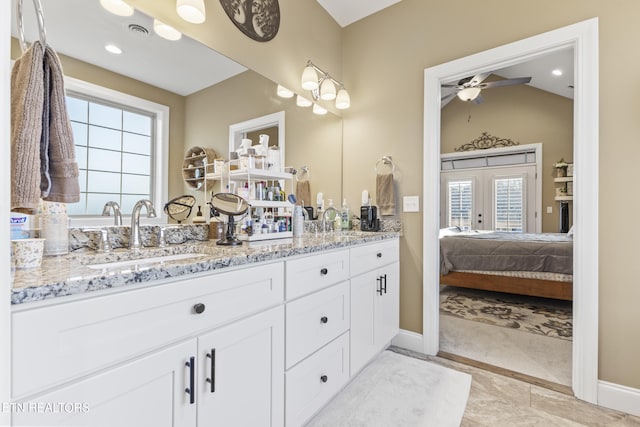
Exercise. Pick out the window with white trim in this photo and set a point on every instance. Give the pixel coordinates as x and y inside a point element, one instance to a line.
<point>509,204</point>
<point>460,200</point>
<point>121,148</point>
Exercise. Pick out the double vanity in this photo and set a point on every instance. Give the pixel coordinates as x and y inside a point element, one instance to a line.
<point>263,334</point>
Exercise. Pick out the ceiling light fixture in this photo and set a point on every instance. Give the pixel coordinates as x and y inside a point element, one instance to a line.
<point>112,48</point>
<point>166,31</point>
<point>317,109</point>
<point>324,87</point>
<point>117,7</point>
<point>301,101</point>
<point>469,93</point>
<point>283,92</point>
<point>557,72</point>
<point>191,10</point>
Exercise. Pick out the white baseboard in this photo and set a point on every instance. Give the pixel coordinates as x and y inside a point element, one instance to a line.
<point>619,397</point>
<point>409,340</point>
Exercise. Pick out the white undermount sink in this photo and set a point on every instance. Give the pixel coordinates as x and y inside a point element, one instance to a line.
<point>144,261</point>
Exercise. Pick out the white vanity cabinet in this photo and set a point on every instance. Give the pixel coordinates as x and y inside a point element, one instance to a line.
<point>139,357</point>
<point>375,300</point>
<point>148,391</point>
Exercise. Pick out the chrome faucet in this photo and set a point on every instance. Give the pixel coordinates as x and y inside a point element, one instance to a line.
<point>117,216</point>
<point>134,238</point>
<point>324,217</point>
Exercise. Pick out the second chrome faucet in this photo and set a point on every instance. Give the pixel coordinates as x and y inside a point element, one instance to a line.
<point>134,238</point>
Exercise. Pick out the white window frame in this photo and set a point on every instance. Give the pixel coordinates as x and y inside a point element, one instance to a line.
<point>160,167</point>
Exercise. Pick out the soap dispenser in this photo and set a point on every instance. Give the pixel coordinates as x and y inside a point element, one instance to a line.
<point>346,215</point>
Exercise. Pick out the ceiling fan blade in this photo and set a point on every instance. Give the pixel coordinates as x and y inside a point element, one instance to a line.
<point>446,99</point>
<point>478,78</point>
<point>507,82</point>
<point>450,85</point>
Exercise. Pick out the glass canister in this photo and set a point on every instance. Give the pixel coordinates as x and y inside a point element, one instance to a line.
<point>54,227</point>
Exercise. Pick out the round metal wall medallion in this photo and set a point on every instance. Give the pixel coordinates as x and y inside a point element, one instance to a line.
<point>257,19</point>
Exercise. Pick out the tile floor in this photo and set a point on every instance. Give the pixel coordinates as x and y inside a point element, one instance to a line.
<point>497,401</point>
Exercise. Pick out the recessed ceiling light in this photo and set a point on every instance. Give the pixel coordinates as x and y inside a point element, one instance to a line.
<point>113,49</point>
<point>117,7</point>
<point>557,72</point>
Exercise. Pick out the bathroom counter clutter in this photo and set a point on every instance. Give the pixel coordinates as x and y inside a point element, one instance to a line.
<point>78,273</point>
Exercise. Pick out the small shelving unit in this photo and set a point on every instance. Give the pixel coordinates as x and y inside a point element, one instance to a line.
<point>566,183</point>
<point>193,166</point>
<point>235,177</point>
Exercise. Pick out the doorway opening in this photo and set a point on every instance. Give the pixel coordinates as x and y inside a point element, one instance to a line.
<point>583,38</point>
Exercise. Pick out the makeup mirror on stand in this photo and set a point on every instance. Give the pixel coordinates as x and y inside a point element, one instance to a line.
<point>230,205</point>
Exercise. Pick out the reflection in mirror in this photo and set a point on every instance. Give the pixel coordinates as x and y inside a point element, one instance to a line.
<point>200,114</point>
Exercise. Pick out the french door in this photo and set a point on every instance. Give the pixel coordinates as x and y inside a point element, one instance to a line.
<point>499,198</point>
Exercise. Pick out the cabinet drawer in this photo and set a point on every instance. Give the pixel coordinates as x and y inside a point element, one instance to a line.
<point>312,383</point>
<point>306,275</point>
<point>315,320</point>
<point>56,343</point>
<point>368,257</point>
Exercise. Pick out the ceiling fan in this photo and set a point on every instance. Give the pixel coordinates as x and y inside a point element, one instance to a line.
<point>469,88</point>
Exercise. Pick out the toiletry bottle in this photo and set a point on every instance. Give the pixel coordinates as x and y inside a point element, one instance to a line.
<point>331,216</point>
<point>319,205</point>
<point>298,221</point>
<point>346,215</point>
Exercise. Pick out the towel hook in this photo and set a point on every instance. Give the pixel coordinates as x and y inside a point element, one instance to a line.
<point>40,16</point>
<point>387,161</point>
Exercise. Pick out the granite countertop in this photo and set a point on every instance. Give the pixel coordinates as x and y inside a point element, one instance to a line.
<point>71,275</point>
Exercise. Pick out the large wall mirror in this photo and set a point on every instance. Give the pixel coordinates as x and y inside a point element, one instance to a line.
<point>205,92</point>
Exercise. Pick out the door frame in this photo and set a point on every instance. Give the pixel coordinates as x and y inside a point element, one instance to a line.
<point>583,38</point>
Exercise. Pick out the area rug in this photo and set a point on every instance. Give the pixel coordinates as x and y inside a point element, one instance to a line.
<point>397,390</point>
<point>552,318</point>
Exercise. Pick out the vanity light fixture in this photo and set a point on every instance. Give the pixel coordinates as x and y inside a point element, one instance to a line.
<point>112,48</point>
<point>324,87</point>
<point>191,10</point>
<point>317,109</point>
<point>469,93</point>
<point>301,101</point>
<point>166,31</point>
<point>117,7</point>
<point>283,92</point>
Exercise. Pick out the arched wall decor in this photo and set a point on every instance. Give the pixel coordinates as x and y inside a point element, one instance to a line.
<point>486,141</point>
<point>257,19</point>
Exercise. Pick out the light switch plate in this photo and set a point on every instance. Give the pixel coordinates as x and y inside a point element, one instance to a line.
<point>549,209</point>
<point>411,204</point>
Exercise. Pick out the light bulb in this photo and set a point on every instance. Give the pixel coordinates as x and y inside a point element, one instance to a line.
<point>309,79</point>
<point>166,31</point>
<point>191,10</point>
<point>319,110</point>
<point>469,93</point>
<point>283,92</point>
<point>343,100</point>
<point>117,7</point>
<point>302,101</point>
<point>113,49</point>
<point>327,89</point>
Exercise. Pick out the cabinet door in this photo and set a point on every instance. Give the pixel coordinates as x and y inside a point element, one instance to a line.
<point>241,372</point>
<point>388,304</point>
<point>375,313</point>
<point>363,302</point>
<point>149,391</point>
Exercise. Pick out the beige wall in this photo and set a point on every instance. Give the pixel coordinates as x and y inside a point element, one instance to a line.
<point>397,44</point>
<point>311,140</point>
<point>525,115</point>
<point>176,103</point>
